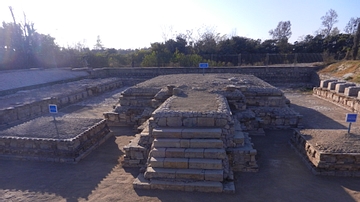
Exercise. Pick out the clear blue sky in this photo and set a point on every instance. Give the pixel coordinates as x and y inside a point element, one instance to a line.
<point>137,23</point>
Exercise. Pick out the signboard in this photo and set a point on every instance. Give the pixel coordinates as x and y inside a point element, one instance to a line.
<point>53,109</point>
<point>204,65</point>
<point>351,118</point>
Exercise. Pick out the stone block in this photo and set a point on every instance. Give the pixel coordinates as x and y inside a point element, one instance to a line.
<point>156,162</point>
<point>176,163</point>
<point>184,143</point>
<point>201,133</point>
<point>190,122</point>
<point>161,121</point>
<point>194,153</point>
<point>166,133</point>
<point>352,91</point>
<point>206,143</point>
<point>205,163</point>
<point>152,172</point>
<point>173,121</point>
<point>205,122</point>
<point>167,185</point>
<point>175,153</point>
<point>220,122</point>
<point>340,87</point>
<point>215,153</point>
<point>332,84</point>
<point>324,83</point>
<point>167,143</point>
<point>214,175</point>
<point>158,152</point>
<point>204,186</point>
<point>193,174</point>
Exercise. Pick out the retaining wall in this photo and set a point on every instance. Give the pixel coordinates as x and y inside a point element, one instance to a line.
<point>296,76</point>
<point>31,110</point>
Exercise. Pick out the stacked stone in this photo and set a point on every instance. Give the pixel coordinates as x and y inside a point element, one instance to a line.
<point>344,94</point>
<point>135,106</point>
<point>34,109</point>
<point>189,150</point>
<point>326,163</point>
<point>69,150</point>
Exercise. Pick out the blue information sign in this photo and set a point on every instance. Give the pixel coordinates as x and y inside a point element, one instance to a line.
<point>204,65</point>
<point>53,108</point>
<point>351,118</point>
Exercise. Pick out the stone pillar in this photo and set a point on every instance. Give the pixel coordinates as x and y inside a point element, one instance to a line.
<point>352,91</point>
<point>324,83</point>
<point>332,84</point>
<point>340,87</point>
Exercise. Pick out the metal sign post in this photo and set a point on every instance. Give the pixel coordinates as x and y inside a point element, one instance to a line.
<point>350,118</point>
<point>203,66</point>
<point>53,110</point>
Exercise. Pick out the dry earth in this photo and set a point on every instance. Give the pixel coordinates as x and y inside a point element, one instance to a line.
<point>100,176</point>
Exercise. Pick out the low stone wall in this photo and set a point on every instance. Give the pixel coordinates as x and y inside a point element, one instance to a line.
<point>57,150</point>
<point>321,163</point>
<point>273,75</point>
<point>35,109</point>
<point>351,103</point>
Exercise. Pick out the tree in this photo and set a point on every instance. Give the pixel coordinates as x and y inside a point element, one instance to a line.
<point>98,45</point>
<point>351,26</point>
<point>355,48</point>
<point>282,33</point>
<point>328,22</point>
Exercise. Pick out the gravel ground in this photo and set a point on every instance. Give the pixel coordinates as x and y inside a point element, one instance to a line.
<point>56,90</point>
<point>325,124</point>
<point>12,79</point>
<point>46,127</point>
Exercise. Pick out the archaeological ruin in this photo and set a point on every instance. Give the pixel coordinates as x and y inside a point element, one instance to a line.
<point>193,130</point>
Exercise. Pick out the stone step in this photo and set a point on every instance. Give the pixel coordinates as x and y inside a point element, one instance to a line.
<point>239,138</point>
<point>188,153</point>
<point>185,163</point>
<point>188,143</point>
<point>191,174</point>
<point>201,186</point>
<point>187,133</point>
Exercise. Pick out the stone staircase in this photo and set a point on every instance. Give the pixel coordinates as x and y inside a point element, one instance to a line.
<point>187,159</point>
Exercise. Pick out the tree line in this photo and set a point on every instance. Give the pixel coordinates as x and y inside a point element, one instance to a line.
<point>21,46</point>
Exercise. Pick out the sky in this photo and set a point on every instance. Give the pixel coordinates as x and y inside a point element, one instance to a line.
<point>132,24</point>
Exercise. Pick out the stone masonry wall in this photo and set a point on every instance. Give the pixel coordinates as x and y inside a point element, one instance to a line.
<point>66,150</point>
<point>333,164</point>
<point>35,109</point>
<point>272,75</point>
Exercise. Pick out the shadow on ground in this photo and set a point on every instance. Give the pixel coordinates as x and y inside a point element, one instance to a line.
<point>282,177</point>
<point>71,181</point>
<point>313,119</point>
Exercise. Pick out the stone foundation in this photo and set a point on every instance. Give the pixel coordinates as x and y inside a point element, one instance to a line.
<point>34,109</point>
<point>349,99</point>
<point>326,163</point>
<point>69,150</point>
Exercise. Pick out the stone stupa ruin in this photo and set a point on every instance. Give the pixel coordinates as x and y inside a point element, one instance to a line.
<point>194,129</point>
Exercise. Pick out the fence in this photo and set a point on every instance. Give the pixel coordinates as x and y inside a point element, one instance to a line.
<point>262,59</point>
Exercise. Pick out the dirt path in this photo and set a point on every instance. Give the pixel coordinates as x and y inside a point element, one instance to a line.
<point>100,176</point>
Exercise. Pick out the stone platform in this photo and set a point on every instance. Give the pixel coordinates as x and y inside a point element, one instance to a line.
<point>43,139</point>
<point>336,155</point>
<point>195,136</point>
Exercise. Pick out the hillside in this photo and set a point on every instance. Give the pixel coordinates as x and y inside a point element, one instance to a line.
<point>348,70</point>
